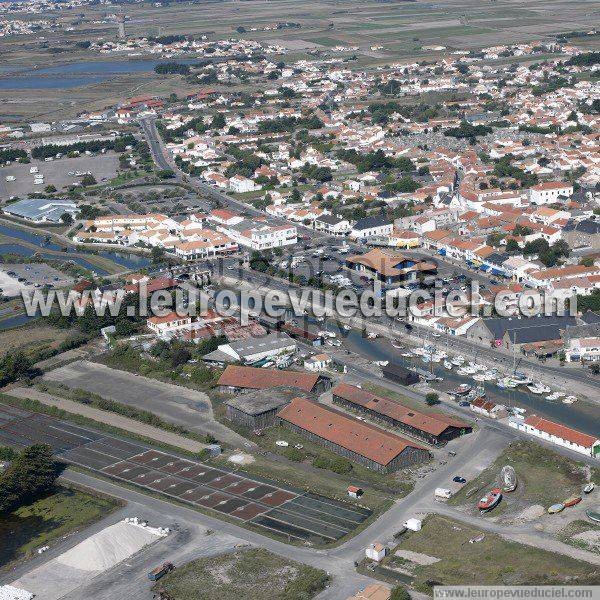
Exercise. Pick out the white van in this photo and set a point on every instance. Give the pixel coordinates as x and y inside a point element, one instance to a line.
<point>442,493</point>
<point>33,169</point>
<point>10,178</point>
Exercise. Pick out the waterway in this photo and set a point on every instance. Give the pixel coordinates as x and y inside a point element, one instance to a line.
<point>78,74</point>
<point>124,259</point>
<point>582,416</point>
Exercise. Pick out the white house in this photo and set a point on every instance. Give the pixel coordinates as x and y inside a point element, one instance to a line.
<point>261,236</point>
<point>240,184</point>
<point>549,192</point>
<point>319,362</point>
<point>379,225</point>
<point>559,434</point>
<point>164,327</point>
<point>376,551</point>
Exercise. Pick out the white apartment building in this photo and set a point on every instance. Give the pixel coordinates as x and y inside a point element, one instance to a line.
<point>261,236</point>
<point>549,192</point>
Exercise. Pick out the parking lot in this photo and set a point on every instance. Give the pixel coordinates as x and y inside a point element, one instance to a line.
<point>15,277</point>
<point>284,510</point>
<point>56,172</point>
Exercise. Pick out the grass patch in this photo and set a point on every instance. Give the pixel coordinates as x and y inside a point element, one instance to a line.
<point>47,519</point>
<point>253,574</point>
<point>576,528</point>
<point>492,561</point>
<point>544,477</point>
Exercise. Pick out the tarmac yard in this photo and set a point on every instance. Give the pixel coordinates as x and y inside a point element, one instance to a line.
<point>286,511</point>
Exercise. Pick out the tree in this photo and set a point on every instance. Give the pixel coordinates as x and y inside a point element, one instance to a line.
<point>67,218</point>
<point>157,254</point>
<point>218,121</point>
<point>13,366</point>
<point>399,593</point>
<point>31,474</point>
<point>50,189</point>
<point>179,356</point>
<point>88,180</point>
<point>432,398</point>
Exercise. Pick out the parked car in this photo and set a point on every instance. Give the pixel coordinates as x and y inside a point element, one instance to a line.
<point>459,479</point>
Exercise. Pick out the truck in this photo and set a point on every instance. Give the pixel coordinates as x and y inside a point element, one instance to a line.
<point>159,572</point>
<point>442,493</point>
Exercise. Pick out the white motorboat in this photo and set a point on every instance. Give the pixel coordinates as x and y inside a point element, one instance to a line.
<point>522,379</point>
<point>406,354</point>
<point>396,344</point>
<point>569,400</point>
<point>553,397</point>
<point>435,358</point>
<point>382,363</point>
<point>538,388</point>
<point>479,377</point>
<point>448,365</point>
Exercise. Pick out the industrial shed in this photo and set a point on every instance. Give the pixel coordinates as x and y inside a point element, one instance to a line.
<point>364,444</point>
<point>400,374</point>
<point>237,378</point>
<point>258,409</point>
<point>434,428</point>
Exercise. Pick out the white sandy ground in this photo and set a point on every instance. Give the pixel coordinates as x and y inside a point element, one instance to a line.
<point>241,458</point>
<point>417,557</point>
<point>77,566</point>
<point>10,286</point>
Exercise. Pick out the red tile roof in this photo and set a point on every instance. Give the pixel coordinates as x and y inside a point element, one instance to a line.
<point>433,424</point>
<point>561,431</point>
<point>262,379</point>
<point>368,441</point>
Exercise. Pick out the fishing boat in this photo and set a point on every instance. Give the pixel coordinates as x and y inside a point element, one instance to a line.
<point>490,500</point>
<point>509,479</point>
<point>506,382</point>
<point>462,390</point>
<point>569,400</point>
<point>538,388</point>
<point>521,379</point>
<point>553,397</point>
<point>457,361</point>
<point>448,365</point>
<point>572,501</point>
<point>588,488</point>
<point>382,363</point>
<point>556,508</point>
<point>396,344</point>
<point>478,377</point>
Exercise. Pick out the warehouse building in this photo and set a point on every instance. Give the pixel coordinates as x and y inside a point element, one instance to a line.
<point>399,374</point>
<point>258,409</point>
<point>359,442</point>
<point>237,378</point>
<point>433,428</point>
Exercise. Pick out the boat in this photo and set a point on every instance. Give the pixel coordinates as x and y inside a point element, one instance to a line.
<point>538,388</point>
<point>509,479</point>
<point>461,371</point>
<point>406,355</point>
<point>462,390</point>
<point>479,377</point>
<point>382,363</point>
<point>556,508</point>
<point>448,365</point>
<point>553,397</point>
<point>569,400</point>
<point>490,500</point>
<point>426,375</point>
<point>396,344</point>
<point>457,361</point>
<point>588,488</point>
<point>521,379</point>
<point>572,501</point>
<point>347,328</point>
<point>371,335</point>
<point>506,382</point>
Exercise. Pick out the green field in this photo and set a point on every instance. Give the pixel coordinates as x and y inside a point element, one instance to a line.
<point>48,519</point>
<point>253,574</point>
<point>544,477</point>
<point>491,561</point>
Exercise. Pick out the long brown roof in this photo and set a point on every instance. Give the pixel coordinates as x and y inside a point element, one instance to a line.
<point>261,379</point>
<point>433,424</point>
<point>368,441</point>
<point>561,431</point>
